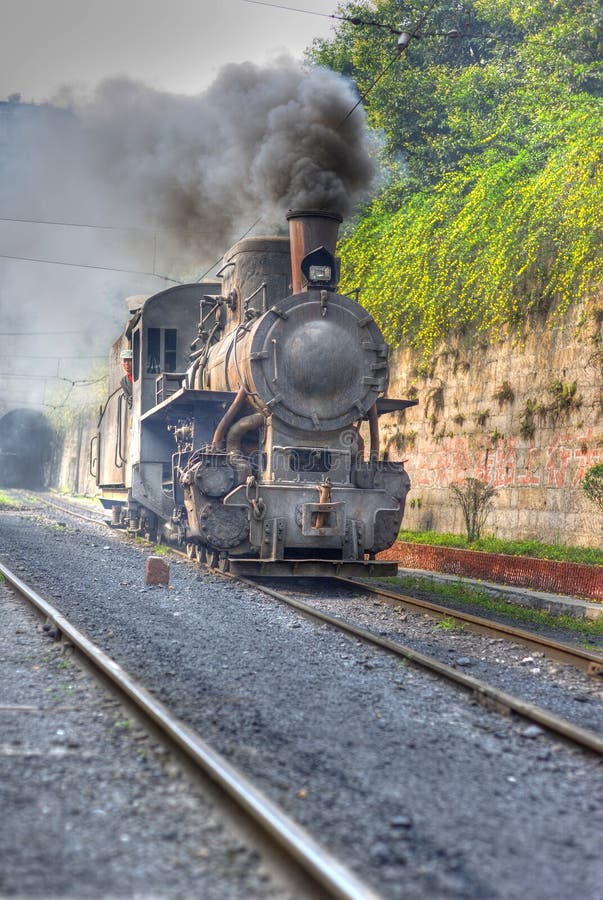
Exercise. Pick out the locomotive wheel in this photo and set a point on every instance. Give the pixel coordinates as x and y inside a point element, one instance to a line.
<point>192,551</point>
<point>213,559</point>
<point>223,564</point>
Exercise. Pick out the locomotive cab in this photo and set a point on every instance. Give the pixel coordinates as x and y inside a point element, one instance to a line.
<point>133,463</point>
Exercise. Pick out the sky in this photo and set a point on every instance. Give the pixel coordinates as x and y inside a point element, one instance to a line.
<point>177,46</point>
<point>51,50</point>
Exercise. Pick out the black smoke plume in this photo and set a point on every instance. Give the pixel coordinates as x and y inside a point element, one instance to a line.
<point>259,141</point>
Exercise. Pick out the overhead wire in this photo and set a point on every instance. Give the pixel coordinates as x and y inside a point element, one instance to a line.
<point>402,48</point>
<point>371,23</point>
<point>38,333</point>
<point>72,381</point>
<point>213,265</point>
<point>353,20</point>
<point>108,228</point>
<point>142,228</point>
<point>56,262</point>
<point>55,356</point>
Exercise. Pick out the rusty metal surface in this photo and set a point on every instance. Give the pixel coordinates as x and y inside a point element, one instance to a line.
<point>308,230</point>
<point>304,370</point>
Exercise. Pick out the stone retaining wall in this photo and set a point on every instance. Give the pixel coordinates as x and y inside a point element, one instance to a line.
<point>525,415</point>
<point>574,579</point>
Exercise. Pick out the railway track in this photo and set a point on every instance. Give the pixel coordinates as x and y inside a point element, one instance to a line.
<point>67,507</point>
<point>309,864</point>
<point>485,692</point>
<point>567,654</point>
<point>587,661</point>
<point>441,770</point>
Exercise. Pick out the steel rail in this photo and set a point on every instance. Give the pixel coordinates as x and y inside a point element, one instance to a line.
<point>71,512</point>
<point>584,738</point>
<point>67,509</point>
<point>592,663</point>
<point>326,872</point>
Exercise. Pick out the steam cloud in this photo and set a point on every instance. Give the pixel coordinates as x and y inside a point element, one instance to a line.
<point>257,142</point>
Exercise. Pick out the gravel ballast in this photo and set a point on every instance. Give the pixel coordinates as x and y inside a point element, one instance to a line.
<point>564,690</point>
<point>407,780</point>
<point>92,806</point>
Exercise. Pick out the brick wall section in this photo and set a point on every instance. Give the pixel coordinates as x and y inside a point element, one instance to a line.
<point>574,579</point>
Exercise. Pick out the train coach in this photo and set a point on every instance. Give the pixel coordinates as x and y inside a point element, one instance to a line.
<point>234,422</point>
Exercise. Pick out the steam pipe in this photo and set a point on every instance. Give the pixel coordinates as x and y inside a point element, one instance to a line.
<point>228,418</point>
<point>192,372</point>
<point>374,432</point>
<point>240,428</point>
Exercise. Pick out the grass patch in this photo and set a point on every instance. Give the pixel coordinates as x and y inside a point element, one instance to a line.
<point>65,529</point>
<point>562,553</point>
<point>161,550</point>
<point>5,500</point>
<point>123,724</point>
<point>60,693</point>
<point>463,593</point>
<point>449,624</point>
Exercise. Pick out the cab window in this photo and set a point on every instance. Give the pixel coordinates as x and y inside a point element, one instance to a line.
<point>161,350</point>
<point>169,354</point>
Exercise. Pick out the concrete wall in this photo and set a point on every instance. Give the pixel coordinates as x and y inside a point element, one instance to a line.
<point>487,410</point>
<point>70,469</point>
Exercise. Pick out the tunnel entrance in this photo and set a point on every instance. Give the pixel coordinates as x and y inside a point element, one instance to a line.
<point>26,441</point>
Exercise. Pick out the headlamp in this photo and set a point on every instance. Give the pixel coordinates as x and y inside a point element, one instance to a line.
<point>319,273</point>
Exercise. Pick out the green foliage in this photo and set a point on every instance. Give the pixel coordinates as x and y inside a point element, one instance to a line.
<point>402,440</point>
<point>5,500</point>
<point>592,485</point>
<point>491,245</point>
<point>161,549</point>
<point>565,398</point>
<point>445,99</point>
<point>527,428</point>
<point>494,152</point>
<point>449,624</point>
<point>535,549</point>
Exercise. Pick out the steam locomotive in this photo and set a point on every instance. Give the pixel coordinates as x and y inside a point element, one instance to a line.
<point>247,445</point>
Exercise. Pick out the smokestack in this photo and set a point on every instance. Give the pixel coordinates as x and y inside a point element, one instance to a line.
<point>308,230</point>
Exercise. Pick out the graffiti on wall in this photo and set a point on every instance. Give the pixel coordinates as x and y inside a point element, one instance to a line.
<point>508,462</point>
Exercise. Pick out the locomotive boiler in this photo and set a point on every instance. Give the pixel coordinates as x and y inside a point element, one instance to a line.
<point>257,445</point>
